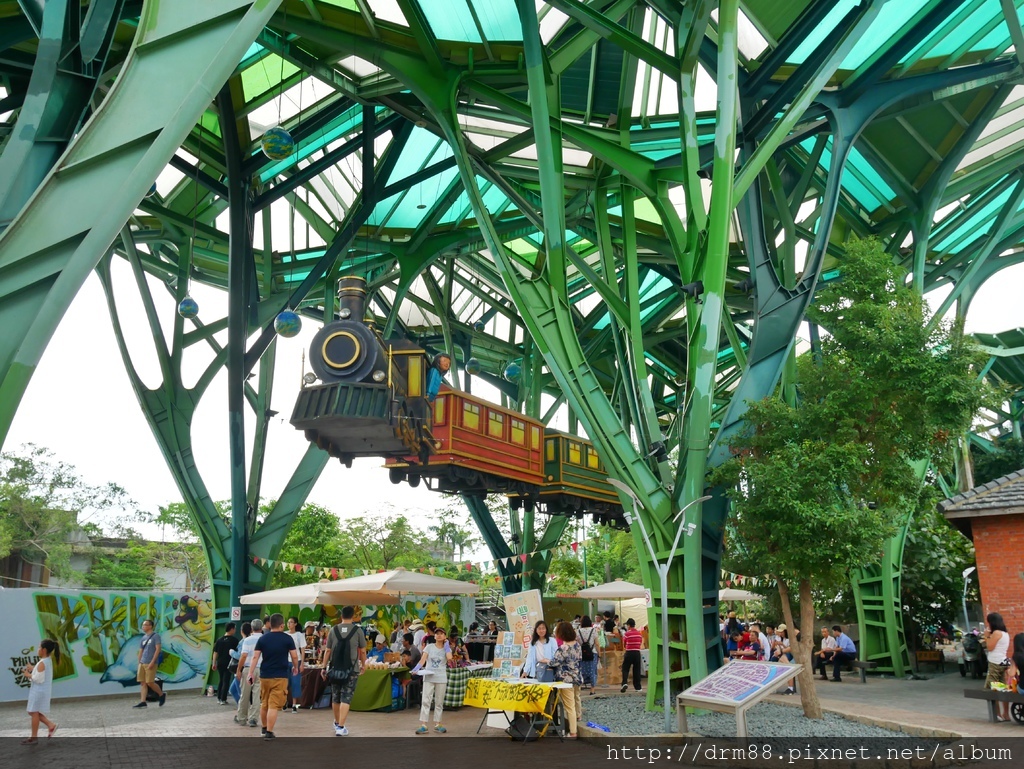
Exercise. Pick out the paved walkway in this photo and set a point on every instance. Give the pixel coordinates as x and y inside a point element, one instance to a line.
<point>933,704</point>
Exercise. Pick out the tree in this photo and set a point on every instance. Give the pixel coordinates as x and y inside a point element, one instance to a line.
<point>819,485</point>
<point>384,542</point>
<point>1006,457</point>
<point>43,502</point>
<point>314,538</point>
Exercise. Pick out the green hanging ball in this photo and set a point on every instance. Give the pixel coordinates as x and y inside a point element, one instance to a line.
<point>287,324</point>
<point>277,143</point>
<point>513,371</point>
<point>473,366</point>
<point>188,308</point>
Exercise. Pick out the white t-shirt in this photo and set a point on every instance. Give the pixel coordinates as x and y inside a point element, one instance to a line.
<point>300,642</point>
<point>417,638</point>
<point>247,647</point>
<point>436,661</point>
<point>828,642</point>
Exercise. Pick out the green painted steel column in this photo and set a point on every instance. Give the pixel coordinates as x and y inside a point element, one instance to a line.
<point>704,348</point>
<point>60,236</point>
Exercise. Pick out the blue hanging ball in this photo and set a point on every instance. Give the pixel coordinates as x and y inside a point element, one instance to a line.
<point>288,324</point>
<point>479,326</point>
<point>473,366</point>
<point>277,143</point>
<point>152,191</point>
<point>188,308</point>
<point>513,371</point>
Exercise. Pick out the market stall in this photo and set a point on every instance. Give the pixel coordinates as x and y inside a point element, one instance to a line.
<point>373,692</point>
<point>458,679</point>
<point>503,697</point>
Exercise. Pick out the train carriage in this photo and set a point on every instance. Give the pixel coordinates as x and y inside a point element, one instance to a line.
<point>575,479</point>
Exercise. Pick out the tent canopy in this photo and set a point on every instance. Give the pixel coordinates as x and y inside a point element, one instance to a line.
<point>732,594</point>
<point>616,589</point>
<point>400,582</point>
<point>313,595</point>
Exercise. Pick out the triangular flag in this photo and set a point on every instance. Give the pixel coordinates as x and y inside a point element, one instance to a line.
<point>575,546</point>
<point>523,557</point>
<point>334,573</point>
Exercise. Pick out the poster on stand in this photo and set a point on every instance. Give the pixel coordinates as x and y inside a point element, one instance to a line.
<point>522,611</point>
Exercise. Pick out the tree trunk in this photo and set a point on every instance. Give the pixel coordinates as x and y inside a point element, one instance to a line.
<point>803,650</point>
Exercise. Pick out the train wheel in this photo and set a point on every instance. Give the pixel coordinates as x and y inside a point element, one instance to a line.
<point>395,475</point>
<point>1017,711</point>
<point>414,480</point>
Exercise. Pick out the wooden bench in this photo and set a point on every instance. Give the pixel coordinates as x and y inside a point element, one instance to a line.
<point>1016,702</point>
<point>862,667</point>
<point>934,657</point>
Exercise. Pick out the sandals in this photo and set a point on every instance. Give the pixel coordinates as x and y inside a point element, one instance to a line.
<point>51,730</point>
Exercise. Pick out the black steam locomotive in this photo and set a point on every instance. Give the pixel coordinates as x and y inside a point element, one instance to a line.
<point>371,402</point>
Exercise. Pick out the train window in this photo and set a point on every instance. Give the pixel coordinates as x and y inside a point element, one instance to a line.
<point>518,432</point>
<point>575,451</point>
<point>549,449</point>
<point>534,437</point>
<point>415,376</point>
<point>470,416</point>
<point>592,460</point>
<point>439,410</point>
<point>496,425</point>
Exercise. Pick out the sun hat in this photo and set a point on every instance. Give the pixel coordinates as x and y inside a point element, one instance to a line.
<point>781,626</point>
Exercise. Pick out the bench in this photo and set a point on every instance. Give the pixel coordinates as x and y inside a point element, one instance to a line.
<point>862,667</point>
<point>1016,702</point>
<point>934,657</point>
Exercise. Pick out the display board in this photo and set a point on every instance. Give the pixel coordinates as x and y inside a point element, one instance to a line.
<point>522,612</point>
<point>734,688</point>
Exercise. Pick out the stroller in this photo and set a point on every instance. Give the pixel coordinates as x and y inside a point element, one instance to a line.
<point>971,656</point>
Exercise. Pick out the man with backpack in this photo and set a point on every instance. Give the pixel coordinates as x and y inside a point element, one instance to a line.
<point>344,654</point>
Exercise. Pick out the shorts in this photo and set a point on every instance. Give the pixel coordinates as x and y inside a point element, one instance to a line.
<point>341,693</point>
<point>146,674</point>
<point>273,693</point>
<point>996,674</point>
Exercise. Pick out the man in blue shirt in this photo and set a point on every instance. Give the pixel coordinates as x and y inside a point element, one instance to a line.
<point>844,652</point>
<point>280,662</point>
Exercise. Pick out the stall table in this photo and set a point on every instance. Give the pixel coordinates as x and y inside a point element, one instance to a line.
<point>458,679</point>
<point>373,692</point>
<point>539,701</point>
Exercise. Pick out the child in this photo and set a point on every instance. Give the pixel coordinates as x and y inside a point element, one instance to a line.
<point>41,675</point>
<point>434,660</point>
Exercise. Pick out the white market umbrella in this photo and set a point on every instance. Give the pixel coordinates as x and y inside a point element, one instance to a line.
<point>314,595</point>
<point>399,582</point>
<point>732,594</point>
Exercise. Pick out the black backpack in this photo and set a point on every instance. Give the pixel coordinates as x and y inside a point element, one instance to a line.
<point>341,660</point>
<point>586,650</point>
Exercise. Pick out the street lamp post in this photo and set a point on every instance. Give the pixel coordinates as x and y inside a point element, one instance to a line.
<point>967,580</point>
<point>662,569</point>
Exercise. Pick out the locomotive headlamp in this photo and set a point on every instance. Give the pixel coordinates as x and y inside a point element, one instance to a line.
<point>378,376</point>
<point>309,377</point>
<point>344,313</point>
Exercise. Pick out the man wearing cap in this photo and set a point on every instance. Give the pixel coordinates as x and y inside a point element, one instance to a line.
<point>379,649</point>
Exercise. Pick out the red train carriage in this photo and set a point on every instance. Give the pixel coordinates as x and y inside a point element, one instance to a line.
<point>478,447</point>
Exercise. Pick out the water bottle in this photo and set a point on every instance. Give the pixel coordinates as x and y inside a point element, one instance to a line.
<point>597,726</point>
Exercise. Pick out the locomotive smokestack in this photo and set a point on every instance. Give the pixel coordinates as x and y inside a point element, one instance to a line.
<point>352,297</point>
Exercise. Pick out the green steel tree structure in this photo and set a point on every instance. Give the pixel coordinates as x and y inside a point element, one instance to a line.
<point>634,199</point>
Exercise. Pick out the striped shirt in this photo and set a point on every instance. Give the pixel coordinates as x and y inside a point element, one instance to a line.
<point>632,640</point>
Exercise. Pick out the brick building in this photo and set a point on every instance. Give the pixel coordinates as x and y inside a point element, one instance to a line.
<point>992,516</point>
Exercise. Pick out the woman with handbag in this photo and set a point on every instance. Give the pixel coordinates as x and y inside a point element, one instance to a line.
<point>566,665</point>
<point>41,677</point>
<point>542,649</point>
<point>588,652</point>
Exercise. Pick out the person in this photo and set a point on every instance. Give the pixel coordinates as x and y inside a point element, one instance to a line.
<point>438,369</point>
<point>410,652</point>
<point>542,649</point>
<point>41,677</point>
<point>632,643</point>
<point>782,647</point>
<point>295,683</point>
<point>732,625</point>
<point>492,629</point>
<point>566,664</point>
<point>149,658</point>
<point>416,628</point>
<point>249,701</point>
<point>845,650</point>
<point>226,644</point>
<point>1017,663</point>
<point>428,633</point>
<point>588,652</point>
<point>312,639</point>
<point>434,660</point>
<point>351,643</point>
<point>997,644</point>
<point>380,648</point>
<point>611,633</point>
<point>271,657</point>
<point>398,633</point>
<point>828,645</point>
<point>746,646</point>
<point>460,654</point>
<point>769,632</point>
<point>763,649</point>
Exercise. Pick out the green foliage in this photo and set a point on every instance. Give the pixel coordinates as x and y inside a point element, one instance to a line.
<point>820,485</point>
<point>1008,457</point>
<point>128,564</point>
<point>314,538</point>
<point>42,503</point>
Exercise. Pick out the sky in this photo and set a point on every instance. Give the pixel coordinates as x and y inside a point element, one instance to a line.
<point>80,405</point>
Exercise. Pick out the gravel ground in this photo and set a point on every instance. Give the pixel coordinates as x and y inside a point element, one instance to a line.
<point>626,715</point>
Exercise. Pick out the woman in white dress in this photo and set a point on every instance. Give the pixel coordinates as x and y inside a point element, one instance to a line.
<point>41,676</point>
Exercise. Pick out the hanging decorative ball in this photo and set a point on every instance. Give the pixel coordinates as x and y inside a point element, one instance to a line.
<point>277,143</point>
<point>513,371</point>
<point>473,366</point>
<point>287,323</point>
<point>479,326</point>
<point>188,308</point>
<point>152,191</point>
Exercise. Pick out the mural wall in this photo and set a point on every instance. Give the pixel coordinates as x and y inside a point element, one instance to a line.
<point>99,636</point>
